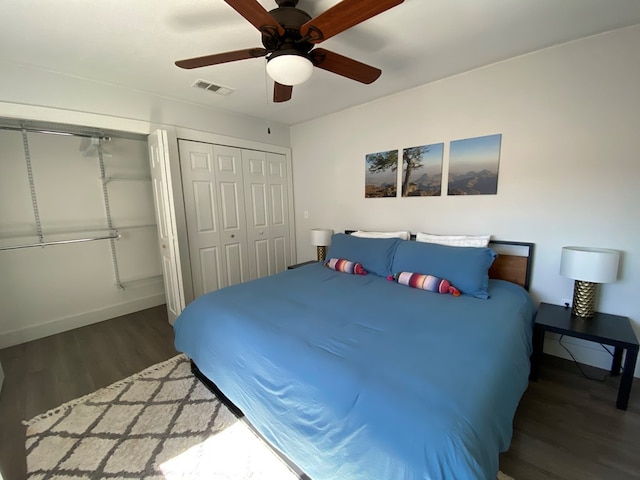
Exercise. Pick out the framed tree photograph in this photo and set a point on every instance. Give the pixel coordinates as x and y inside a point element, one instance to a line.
<point>473,166</point>
<point>422,170</point>
<point>381,175</point>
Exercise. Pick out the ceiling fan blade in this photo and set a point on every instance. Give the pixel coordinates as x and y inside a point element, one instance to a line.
<point>218,58</point>
<point>281,93</point>
<point>345,66</point>
<point>344,15</point>
<point>256,15</point>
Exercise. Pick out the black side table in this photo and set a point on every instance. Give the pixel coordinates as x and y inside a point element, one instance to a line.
<point>612,330</point>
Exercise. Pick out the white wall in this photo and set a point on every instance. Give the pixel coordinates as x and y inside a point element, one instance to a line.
<point>23,85</point>
<point>58,287</point>
<point>569,163</point>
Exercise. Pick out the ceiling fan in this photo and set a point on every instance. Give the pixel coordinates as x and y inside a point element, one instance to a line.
<point>289,36</point>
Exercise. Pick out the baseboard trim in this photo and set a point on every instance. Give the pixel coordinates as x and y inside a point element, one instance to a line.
<point>16,337</point>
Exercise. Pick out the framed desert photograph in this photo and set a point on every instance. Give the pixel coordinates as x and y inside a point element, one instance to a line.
<point>422,170</point>
<point>473,165</point>
<point>381,174</point>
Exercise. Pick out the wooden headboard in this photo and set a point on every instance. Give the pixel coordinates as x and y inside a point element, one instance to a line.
<point>513,262</point>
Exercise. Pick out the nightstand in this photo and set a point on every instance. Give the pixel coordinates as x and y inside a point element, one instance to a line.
<point>291,267</point>
<point>612,330</point>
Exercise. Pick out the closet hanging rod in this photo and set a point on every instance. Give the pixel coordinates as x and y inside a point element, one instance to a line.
<point>61,242</point>
<point>55,132</point>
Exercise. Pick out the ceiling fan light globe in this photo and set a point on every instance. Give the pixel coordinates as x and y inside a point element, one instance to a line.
<point>290,69</point>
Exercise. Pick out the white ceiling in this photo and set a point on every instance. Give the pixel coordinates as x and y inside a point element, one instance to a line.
<point>133,44</point>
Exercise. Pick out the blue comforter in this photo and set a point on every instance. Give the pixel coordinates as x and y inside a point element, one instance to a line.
<point>356,377</point>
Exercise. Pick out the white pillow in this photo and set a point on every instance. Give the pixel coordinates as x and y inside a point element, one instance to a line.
<point>455,240</point>
<point>402,235</point>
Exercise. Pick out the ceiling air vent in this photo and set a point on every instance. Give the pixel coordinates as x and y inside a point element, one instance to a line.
<point>212,87</point>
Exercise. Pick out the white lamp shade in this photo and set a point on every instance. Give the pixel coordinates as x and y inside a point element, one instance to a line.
<point>321,237</point>
<point>596,265</point>
<point>290,69</point>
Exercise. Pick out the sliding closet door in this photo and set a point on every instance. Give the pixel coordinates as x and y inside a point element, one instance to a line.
<point>256,200</point>
<point>201,205</point>
<point>233,232</point>
<point>278,181</point>
<point>266,199</point>
<point>214,204</point>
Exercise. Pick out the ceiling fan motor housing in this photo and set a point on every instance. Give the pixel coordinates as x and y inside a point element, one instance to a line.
<point>291,19</point>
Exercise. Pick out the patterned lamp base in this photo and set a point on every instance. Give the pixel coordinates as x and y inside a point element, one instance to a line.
<point>322,252</point>
<point>584,298</point>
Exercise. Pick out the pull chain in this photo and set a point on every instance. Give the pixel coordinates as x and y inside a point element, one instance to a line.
<point>266,92</point>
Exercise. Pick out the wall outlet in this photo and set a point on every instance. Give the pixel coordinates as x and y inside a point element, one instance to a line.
<point>565,302</point>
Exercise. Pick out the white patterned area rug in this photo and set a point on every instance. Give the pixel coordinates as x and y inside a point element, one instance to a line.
<point>160,424</point>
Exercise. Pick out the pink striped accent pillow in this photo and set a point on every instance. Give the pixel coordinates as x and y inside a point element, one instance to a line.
<point>342,265</point>
<point>425,282</point>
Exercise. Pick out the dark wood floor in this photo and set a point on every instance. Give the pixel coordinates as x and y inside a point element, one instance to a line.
<point>566,428</point>
<point>42,374</point>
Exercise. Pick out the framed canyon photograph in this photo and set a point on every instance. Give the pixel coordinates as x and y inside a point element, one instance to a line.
<point>422,170</point>
<point>381,174</point>
<point>473,166</point>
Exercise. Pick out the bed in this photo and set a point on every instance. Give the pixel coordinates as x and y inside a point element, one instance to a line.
<point>362,377</point>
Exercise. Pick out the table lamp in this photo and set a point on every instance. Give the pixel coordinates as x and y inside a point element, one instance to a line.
<point>321,238</point>
<point>588,267</point>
